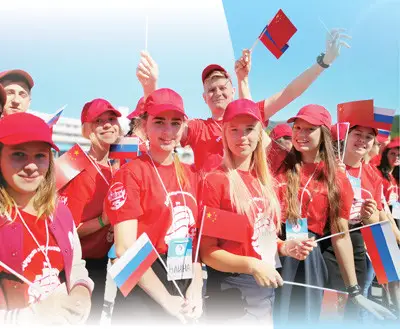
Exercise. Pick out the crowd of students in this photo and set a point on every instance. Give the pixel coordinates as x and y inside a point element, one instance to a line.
<point>54,245</point>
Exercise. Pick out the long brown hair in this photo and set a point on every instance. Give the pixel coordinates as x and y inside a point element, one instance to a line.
<point>327,176</point>
<point>45,198</point>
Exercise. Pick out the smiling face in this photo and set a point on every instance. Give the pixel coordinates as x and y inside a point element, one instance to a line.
<point>164,131</point>
<point>24,166</point>
<point>106,128</point>
<point>242,135</point>
<point>218,93</point>
<point>360,141</point>
<point>305,136</point>
<point>394,157</point>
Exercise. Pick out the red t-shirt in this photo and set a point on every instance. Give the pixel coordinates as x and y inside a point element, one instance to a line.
<point>390,188</point>
<point>35,266</point>
<point>371,188</point>
<point>216,195</point>
<point>315,203</point>
<point>137,193</point>
<point>84,196</point>
<point>205,139</point>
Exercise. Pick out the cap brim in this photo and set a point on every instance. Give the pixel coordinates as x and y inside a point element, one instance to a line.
<point>22,138</point>
<point>392,145</point>
<point>21,73</point>
<point>364,125</point>
<point>157,109</point>
<point>210,68</point>
<point>254,116</point>
<point>134,114</point>
<point>310,120</point>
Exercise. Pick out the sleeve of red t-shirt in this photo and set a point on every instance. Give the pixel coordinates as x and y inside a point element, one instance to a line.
<point>193,132</point>
<point>261,106</point>
<point>211,193</point>
<point>78,193</point>
<point>123,198</point>
<point>346,195</point>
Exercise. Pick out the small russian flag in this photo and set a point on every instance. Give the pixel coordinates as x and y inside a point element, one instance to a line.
<point>127,148</point>
<point>53,121</point>
<point>384,118</point>
<point>383,251</point>
<point>130,267</point>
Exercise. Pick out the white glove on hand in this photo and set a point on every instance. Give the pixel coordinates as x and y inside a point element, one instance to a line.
<point>334,41</point>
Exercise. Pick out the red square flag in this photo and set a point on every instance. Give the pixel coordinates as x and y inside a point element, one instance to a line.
<point>281,29</point>
<point>357,113</point>
<point>224,225</point>
<point>70,164</point>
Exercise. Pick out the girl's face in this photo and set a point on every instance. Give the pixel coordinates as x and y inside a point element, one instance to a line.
<point>305,136</point>
<point>394,157</point>
<point>242,135</point>
<point>164,131</point>
<point>24,166</point>
<point>360,141</point>
<point>106,128</point>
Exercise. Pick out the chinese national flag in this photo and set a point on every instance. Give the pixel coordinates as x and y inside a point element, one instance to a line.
<point>356,112</point>
<point>281,29</point>
<point>69,165</point>
<point>333,305</point>
<point>224,225</point>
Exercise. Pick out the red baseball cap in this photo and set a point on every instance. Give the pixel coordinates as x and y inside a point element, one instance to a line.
<point>3,96</point>
<point>162,100</point>
<point>95,108</point>
<point>316,115</point>
<point>241,107</point>
<point>24,75</point>
<point>281,130</point>
<point>395,142</point>
<point>24,127</point>
<point>138,110</point>
<point>211,68</point>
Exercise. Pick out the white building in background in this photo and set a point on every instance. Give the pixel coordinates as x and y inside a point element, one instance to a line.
<point>68,131</point>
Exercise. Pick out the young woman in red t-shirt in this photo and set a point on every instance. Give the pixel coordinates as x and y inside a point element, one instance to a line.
<point>157,195</point>
<point>38,237</point>
<point>85,195</point>
<point>242,276</point>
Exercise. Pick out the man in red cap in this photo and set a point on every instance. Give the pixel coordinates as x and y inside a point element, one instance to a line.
<point>17,85</point>
<point>282,134</point>
<point>205,136</point>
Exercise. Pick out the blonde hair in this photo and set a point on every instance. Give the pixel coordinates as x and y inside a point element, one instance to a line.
<point>239,193</point>
<point>44,200</point>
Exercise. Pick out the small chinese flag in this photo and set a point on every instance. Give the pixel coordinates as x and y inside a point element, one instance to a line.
<point>281,29</point>
<point>224,225</point>
<point>333,305</point>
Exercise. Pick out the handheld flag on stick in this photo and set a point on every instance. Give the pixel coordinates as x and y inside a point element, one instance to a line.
<point>53,121</point>
<point>127,148</point>
<point>383,118</point>
<point>383,251</point>
<point>70,165</point>
<point>333,305</point>
<point>277,34</point>
<point>225,225</point>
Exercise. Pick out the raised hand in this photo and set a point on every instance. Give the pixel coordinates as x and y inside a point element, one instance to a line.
<point>334,42</point>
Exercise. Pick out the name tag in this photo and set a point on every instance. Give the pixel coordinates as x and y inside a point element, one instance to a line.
<point>396,210</point>
<point>298,230</point>
<point>179,259</point>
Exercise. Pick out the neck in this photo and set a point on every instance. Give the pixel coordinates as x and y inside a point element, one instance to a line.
<point>352,160</point>
<point>164,158</point>
<point>242,163</point>
<point>24,201</point>
<point>218,114</point>
<point>391,170</point>
<point>99,154</point>
<point>310,156</point>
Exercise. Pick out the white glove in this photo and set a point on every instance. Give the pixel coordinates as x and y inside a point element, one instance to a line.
<point>377,310</point>
<point>333,44</point>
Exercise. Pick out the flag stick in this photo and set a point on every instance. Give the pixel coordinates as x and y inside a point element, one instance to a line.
<point>352,230</point>
<point>147,32</point>
<point>338,140</point>
<point>313,287</point>
<point>326,28</point>
<point>255,42</point>
<point>345,140</point>
<point>97,168</point>
<point>166,269</point>
<point>196,257</point>
<point>21,277</point>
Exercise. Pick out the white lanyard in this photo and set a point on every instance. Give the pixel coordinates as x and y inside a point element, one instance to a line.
<point>305,187</point>
<point>217,124</point>
<point>45,252</point>
<point>165,190</point>
<point>359,172</point>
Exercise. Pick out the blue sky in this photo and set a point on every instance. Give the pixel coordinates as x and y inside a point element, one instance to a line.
<point>80,50</point>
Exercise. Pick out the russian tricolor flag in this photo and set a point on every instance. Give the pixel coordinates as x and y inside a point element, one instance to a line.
<point>127,148</point>
<point>383,251</point>
<point>53,121</point>
<point>128,269</point>
<point>384,117</point>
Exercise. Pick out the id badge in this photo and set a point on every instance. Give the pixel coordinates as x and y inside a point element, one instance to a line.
<point>396,210</point>
<point>179,259</point>
<point>356,185</point>
<point>298,230</point>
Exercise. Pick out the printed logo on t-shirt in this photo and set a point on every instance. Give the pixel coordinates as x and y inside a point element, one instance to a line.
<point>117,196</point>
<point>63,199</point>
<point>183,220</point>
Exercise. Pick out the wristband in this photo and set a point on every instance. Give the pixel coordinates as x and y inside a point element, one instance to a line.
<point>101,221</point>
<point>354,291</point>
<point>320,61</point>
